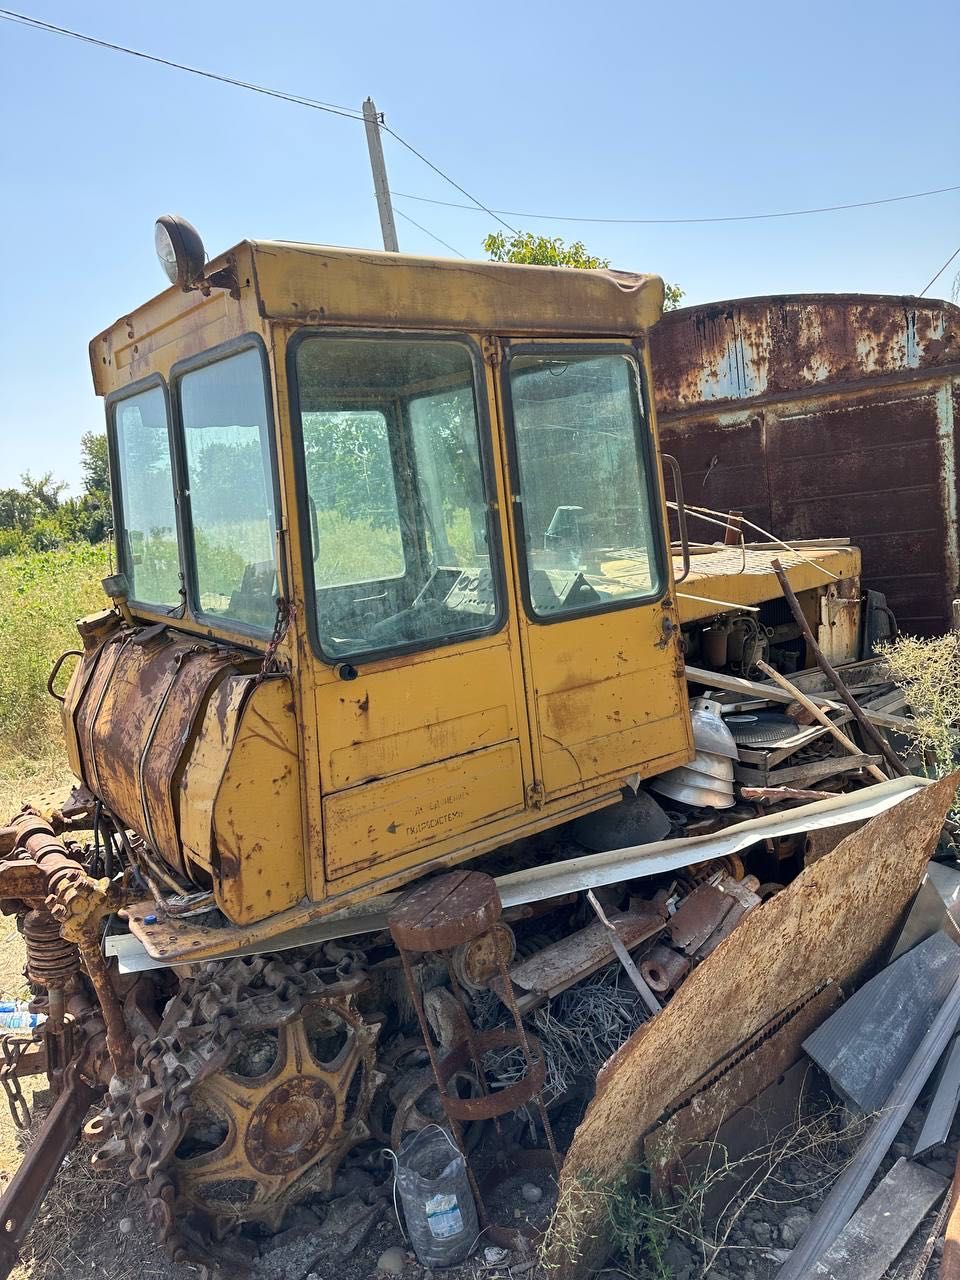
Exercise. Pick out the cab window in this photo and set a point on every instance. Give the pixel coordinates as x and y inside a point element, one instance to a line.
<point>147,520</point>
<point>586,502</point>
<point>226,436</point>
<point>396,495</point>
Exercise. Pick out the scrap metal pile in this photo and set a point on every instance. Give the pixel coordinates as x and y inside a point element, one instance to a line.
<point>234,1090</point>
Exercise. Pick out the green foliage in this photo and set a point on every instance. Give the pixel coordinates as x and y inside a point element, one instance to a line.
<point>41,596</point>
<point>540,251</point>
<point>37,517</point>
<point>550,251</point>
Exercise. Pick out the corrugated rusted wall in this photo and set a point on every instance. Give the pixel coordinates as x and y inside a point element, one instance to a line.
<point>824,415</point>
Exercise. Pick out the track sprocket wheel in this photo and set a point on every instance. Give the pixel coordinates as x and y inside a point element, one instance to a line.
<point>257,1084</point>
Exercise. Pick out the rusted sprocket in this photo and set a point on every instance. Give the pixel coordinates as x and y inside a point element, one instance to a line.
<point>258,1082</point>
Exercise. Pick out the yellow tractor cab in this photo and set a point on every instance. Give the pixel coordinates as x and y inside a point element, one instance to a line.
<point>395,583</point>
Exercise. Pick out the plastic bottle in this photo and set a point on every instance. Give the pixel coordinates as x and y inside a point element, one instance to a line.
<point>438,1205</point>
<point>15,1015</point>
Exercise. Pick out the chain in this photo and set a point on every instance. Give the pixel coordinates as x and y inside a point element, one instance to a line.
<point>11,1047</point>
<point>280,626</point>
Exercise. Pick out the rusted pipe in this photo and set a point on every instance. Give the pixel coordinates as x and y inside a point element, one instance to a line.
<point>78,903</point>
<point>875,738</point>
<point>663,969</point>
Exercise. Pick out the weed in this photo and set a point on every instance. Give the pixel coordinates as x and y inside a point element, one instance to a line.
<point>928,671</point>
<point>41,596</point>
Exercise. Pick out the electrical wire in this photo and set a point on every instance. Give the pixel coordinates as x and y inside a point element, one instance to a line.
<point>499,215</point>
<point>935,278</point>
<point>740,217</point>
<point>406,217</point>
<point>446,177</point>
<point>9,15</point>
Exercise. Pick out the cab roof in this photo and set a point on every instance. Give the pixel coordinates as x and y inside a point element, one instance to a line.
<point>285,282</point>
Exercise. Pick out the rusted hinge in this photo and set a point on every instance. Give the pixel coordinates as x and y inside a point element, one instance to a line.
<point>492,350</point>
<point>535,795</point>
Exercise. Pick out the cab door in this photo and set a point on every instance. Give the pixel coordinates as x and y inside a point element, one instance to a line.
<point>421,720</point>
<point>600,638</point>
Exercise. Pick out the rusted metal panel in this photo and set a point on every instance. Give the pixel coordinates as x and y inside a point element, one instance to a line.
<point>821,415</point>
<point>831,924</point>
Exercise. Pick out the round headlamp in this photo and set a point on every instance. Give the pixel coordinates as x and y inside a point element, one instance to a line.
<point>180,250</point>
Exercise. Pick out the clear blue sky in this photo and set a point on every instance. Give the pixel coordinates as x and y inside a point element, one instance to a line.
<point>616,109</point>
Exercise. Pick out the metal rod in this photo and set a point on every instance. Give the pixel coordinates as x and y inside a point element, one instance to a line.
<point>623,955</point>
<point>872,735</point>
<point>388,227</point>
<point>822,716</point>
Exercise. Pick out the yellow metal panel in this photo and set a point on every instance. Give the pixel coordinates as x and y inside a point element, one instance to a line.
<point>316,284</point>
<point>373,825</point>
<point>205,766</point>
<point>398,718</point>
<point>256,814</point>
<point>731,576</point>
<point>609,701</point>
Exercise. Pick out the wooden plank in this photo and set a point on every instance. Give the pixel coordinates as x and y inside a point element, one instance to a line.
<point>880,1230</point>
<point>802,774</point>
<point>770,693</point>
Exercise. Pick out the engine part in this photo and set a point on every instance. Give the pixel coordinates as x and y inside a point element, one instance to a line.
<point>477,961</point>
<point>51,959</point>
<point>664,969</point>
<point>441,915</point>
<point>257,1083</point>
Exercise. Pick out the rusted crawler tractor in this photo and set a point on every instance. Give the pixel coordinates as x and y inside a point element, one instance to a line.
<point>395,592</point>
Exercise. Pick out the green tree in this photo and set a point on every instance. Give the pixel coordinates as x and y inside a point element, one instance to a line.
<point>44,490</point>
<point>95,463</point>
<point>550,251</point>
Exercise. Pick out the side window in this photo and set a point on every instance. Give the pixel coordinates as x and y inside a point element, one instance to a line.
<point>590,529</point>
<point>223,409</point>
<point>147,521</point>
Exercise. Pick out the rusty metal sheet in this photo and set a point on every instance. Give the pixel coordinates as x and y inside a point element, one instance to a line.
<point>823,415</point>
<point>749,1071</point>
<point>831,924</point>
<point>133,723</point>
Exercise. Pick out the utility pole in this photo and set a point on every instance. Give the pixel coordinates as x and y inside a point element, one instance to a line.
<point>371,122</point>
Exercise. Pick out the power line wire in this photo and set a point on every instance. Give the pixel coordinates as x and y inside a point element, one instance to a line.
<point>446,177</point>
<point>935,278</point>
<point>25,20</point>
<point>431,234</point>
<point>499,215</point>
<point>742,217</point>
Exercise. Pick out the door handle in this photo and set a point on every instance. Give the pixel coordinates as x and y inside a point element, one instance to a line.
<point>674,466</point>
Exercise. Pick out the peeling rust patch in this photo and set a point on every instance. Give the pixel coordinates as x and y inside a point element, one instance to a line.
<point>820,416</point>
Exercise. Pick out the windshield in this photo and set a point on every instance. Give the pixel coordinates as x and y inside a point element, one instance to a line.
<point>586,498</point>
<point>396,494</point>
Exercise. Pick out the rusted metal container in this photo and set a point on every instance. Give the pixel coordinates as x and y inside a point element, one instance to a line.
<point>825,414</point>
